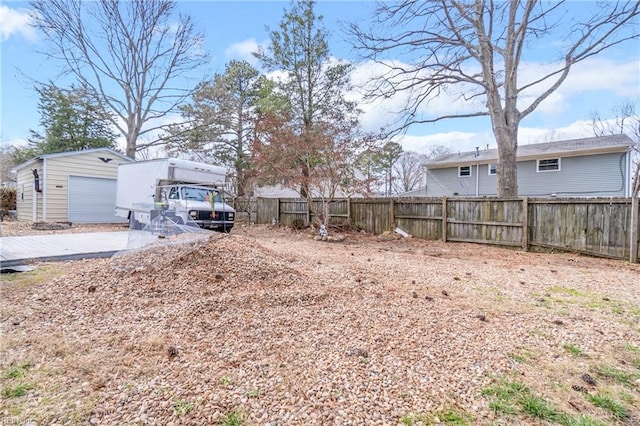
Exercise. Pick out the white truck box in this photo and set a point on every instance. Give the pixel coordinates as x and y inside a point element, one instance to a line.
<point>178,187</point>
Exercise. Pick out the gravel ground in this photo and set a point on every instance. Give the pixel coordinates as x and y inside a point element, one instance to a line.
<point>14,228</point>
<point>269,327</point>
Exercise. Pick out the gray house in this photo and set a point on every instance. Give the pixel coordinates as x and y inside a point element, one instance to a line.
<point>590,167</point>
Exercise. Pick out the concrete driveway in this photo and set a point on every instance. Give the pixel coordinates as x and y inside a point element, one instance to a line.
<point>22,250</point>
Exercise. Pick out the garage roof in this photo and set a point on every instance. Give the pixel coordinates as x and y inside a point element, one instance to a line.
<point>68,154</point>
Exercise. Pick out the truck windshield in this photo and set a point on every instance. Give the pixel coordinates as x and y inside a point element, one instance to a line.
<point>201,194</point>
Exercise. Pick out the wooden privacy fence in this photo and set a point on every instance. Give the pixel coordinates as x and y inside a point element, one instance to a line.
<point>601,227</point>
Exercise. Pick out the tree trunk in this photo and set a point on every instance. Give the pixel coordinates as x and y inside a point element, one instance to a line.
<point>131,145</point>
<point>507,166</point>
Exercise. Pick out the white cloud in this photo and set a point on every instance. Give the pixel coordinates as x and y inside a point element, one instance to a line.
<point>15,22</point>
<point>468,141</point>
<point>592,75</point>
<point>244,50</point>
<point>609,78</point>
<point>382,111</point>
<point>455,141</point>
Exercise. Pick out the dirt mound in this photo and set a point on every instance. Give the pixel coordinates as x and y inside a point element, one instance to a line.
<point>216,262</point>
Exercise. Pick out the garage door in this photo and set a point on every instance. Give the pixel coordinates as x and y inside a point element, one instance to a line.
<point>92,200</point>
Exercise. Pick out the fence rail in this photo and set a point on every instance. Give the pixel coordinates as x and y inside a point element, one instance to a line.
<point>601,227</point>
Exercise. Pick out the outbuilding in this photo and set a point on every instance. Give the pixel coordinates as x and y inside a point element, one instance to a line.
<point>77,187</point>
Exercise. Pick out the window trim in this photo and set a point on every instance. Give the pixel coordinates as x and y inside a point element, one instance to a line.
<point>460,171</point>
<point>495,172</point>
<point>547,159</point>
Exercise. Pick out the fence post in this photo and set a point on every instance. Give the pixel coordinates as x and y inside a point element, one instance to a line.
<point>444,219</point>
<point>635,224</point>
<point>392,215</point>
<point>349,211</point>
<point>525,224</point>
<point>278,210</point>
<point>307,203</point>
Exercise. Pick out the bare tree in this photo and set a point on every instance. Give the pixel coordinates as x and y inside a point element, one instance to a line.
<point>479,47</point>
<point>133,55</point>
<point>409,172</point>
<point>625,120</point>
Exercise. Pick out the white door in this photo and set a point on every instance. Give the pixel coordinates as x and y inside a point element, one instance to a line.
<point>92,200</point>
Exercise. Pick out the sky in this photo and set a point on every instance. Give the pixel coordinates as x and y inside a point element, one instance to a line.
<point>235,29</point>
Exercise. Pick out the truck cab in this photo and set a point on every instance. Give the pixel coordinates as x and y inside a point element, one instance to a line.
<point>204,206</point>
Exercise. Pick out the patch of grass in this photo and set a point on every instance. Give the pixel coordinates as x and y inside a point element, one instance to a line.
<point>613,373</point>
<point>513,398</point>
<point>450,417</point>
<point>524,356</point>
<point>565,290</point>
<point>454,417</point>
<point>504,396</point>
<point>538,408</point>
<point>252,393</point>
<point>233,419</point>
<point>583,420</point>
<point>24,280</point>
<point>15,391</point>
<point>182,407</point>
<point>225,381</point>
<point>631,348</point>
<point>608,403</point>
<point>17,371</point>
<point>572,349</point>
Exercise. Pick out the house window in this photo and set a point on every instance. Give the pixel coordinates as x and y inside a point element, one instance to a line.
<point>550,165</point>
<point>464,171</point>
<point>493,169</point>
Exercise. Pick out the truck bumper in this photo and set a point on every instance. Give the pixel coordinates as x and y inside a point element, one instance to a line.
<point>215,225</point>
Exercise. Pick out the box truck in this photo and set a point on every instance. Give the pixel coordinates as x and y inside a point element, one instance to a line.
<point>186,192</point>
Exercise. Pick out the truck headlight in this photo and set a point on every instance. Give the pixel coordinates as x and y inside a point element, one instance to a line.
<point>193,214</point>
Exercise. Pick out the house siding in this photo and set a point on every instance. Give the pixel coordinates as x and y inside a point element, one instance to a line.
<point>25,193</point>
<point>602,175</point>
<point>58,171</point>
<point>445,182</point>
